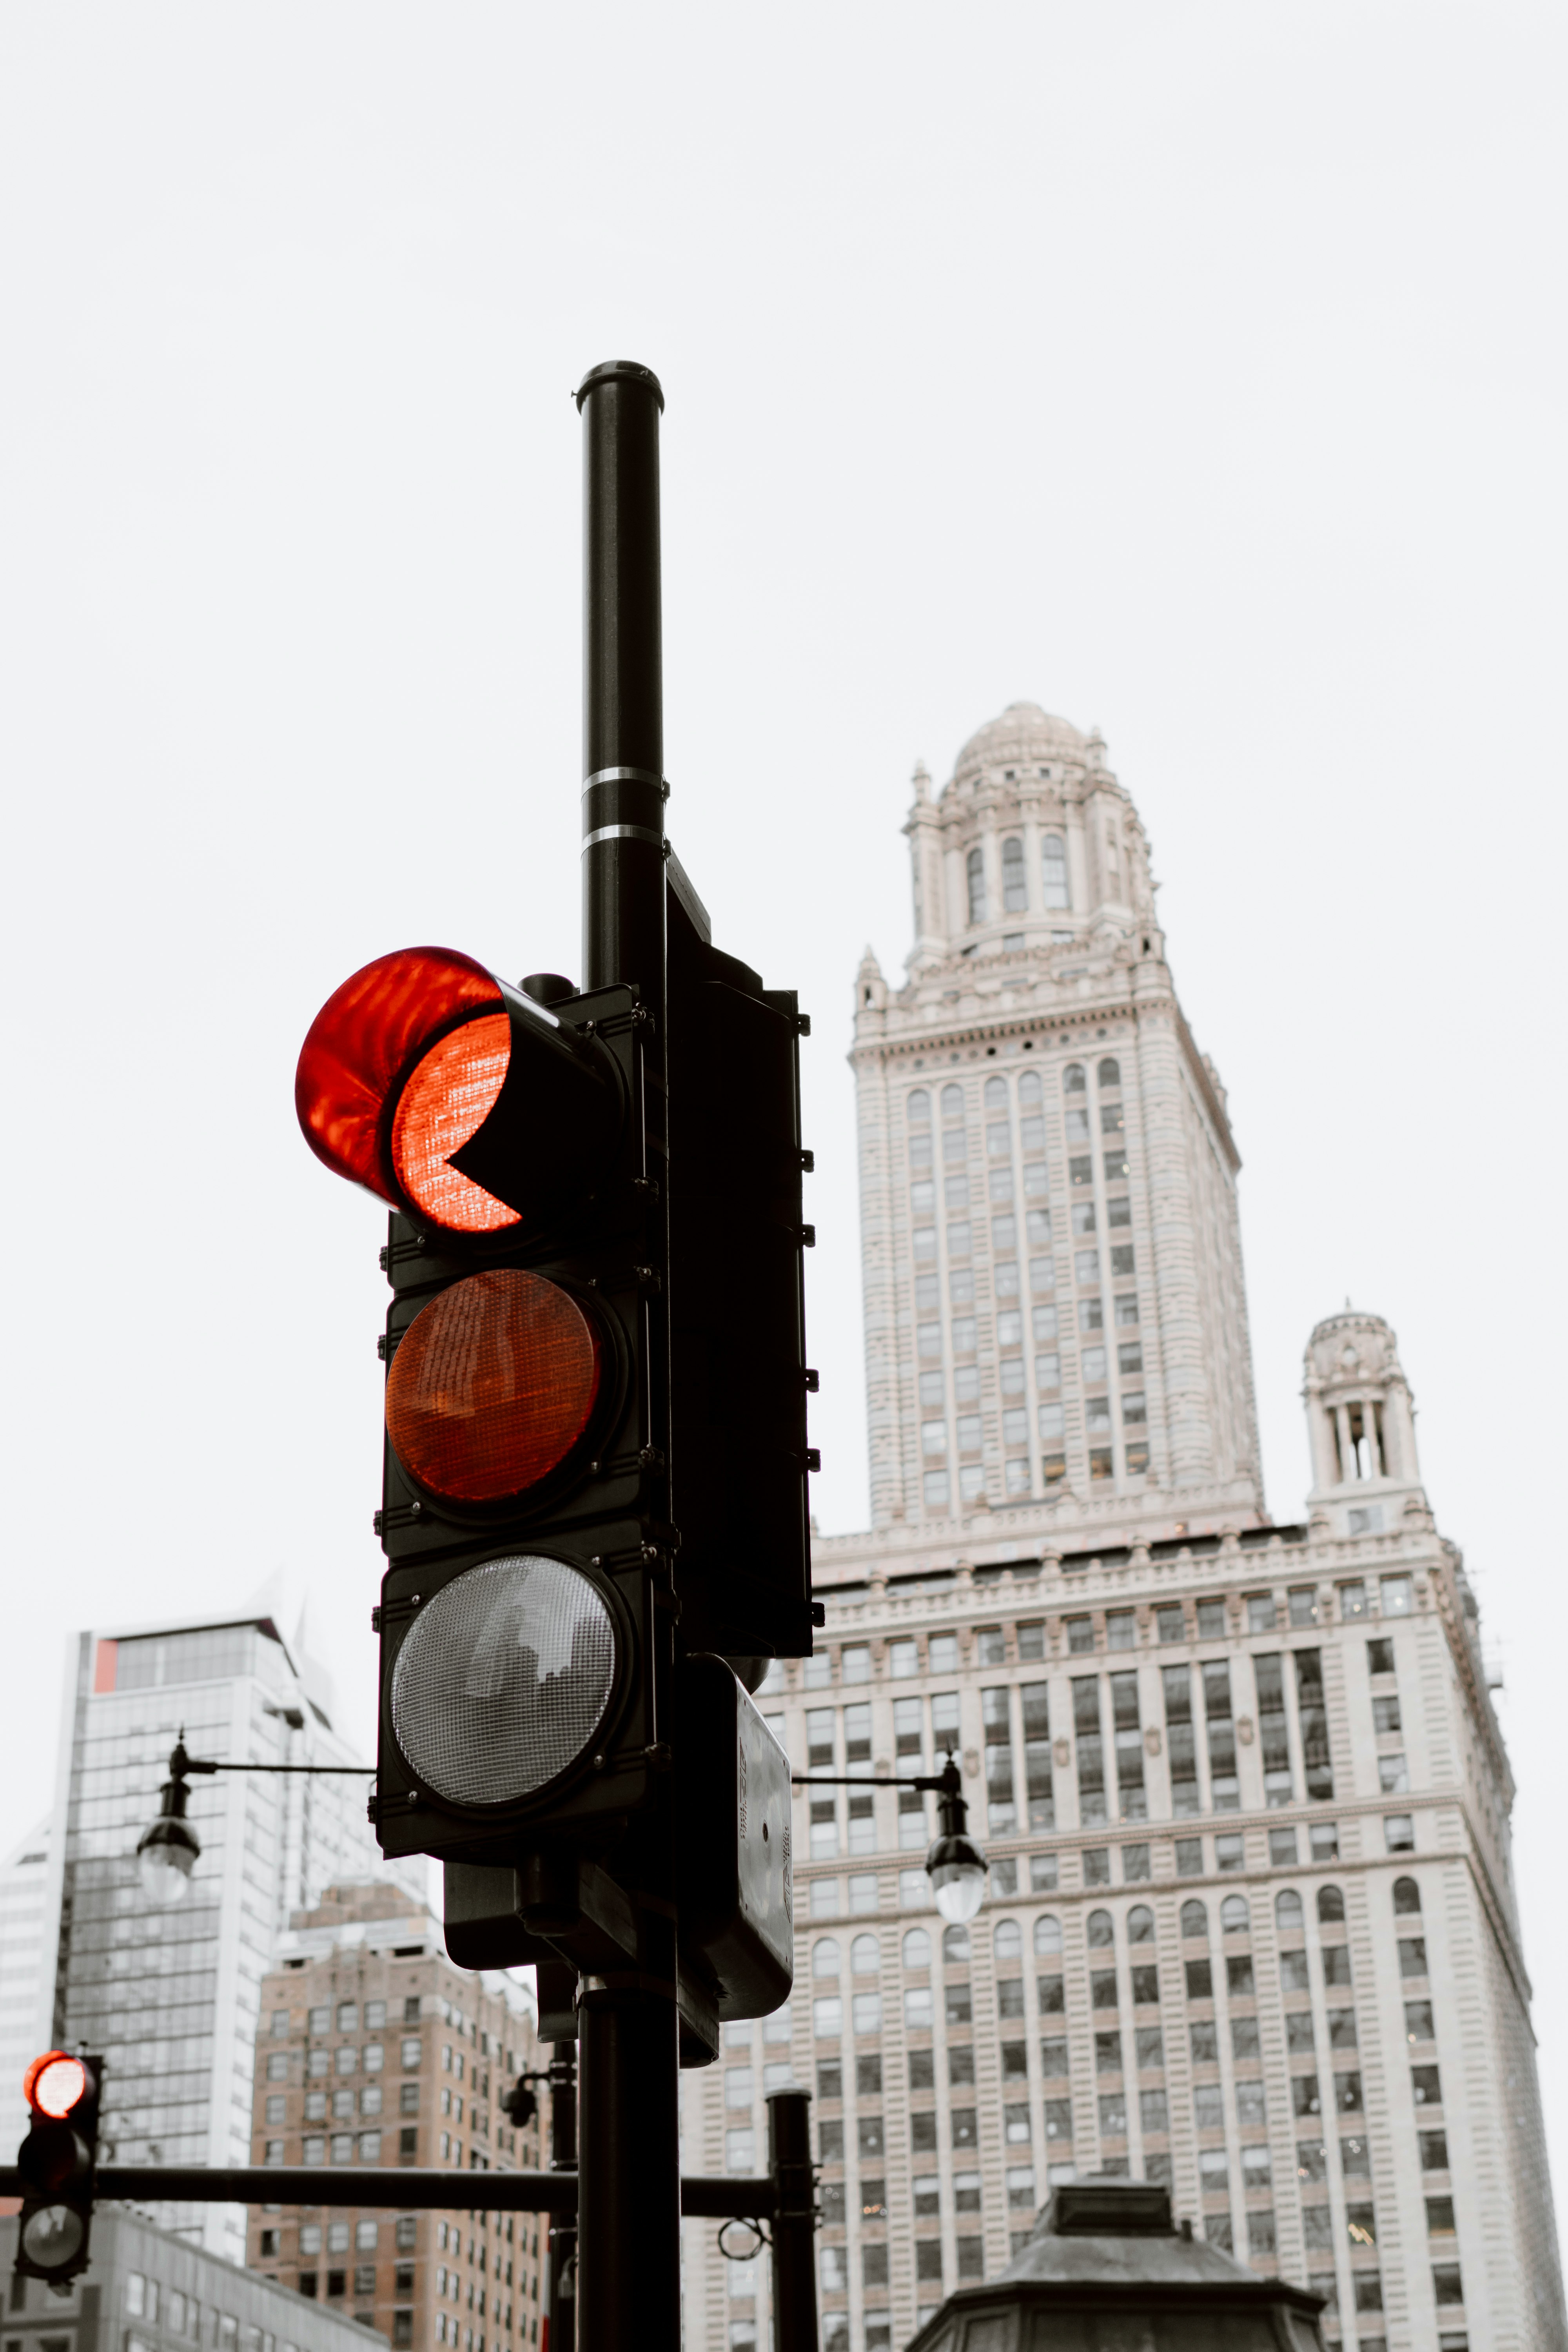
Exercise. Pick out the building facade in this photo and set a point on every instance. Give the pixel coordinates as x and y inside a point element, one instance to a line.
<point>172,1997</point>
<point>147,2290</point>
<point>374,2050</point>
<point>1250,1925</point>
<point>24,1883</point>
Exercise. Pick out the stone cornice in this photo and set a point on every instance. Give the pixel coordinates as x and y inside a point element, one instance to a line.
<point>981,1029</point>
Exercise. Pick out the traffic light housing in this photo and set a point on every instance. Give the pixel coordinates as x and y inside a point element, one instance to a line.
<point>59,2162</point>
<point>739,1375</point>
<point>526,1251</point>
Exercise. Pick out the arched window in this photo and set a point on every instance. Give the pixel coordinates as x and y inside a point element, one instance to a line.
<point>1407,1895</point>
<point>1139,1925</point>
<point>1047,1935</point>
<point>1330,1903</point>
<point>1110,1071</point>
<point>917,1110</point>
<point>1015,891</point>
<point>824,1957</point>
<point>1008,1942</point>
<point>1288,1910</point>
<point>1194,1920</point>
<point>917,1949</point>
<point>1075,1079</point>
<point>1054,871</point>
<point>952,1102</point>
<point>1029,1090</point>
<point>1235,1918</point>
<point>976,871</point>
<point>995,1094</point>
<point>954,1944</point>
<point>1101,1931</point>
<point>865,1955</point>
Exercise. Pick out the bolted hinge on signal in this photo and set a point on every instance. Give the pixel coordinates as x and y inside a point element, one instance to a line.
<point>807,1162</point>
<point>648,1277</point>
<point>812,1382</point>
<point>803,1024</point>
<point>808,1236</point>
<point>812,1458</point>
<point>375,1619</point>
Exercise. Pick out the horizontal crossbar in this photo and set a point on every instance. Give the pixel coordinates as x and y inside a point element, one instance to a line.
<point>411,2187</point>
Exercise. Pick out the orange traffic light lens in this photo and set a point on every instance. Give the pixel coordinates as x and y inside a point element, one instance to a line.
<point>448,1099</point>
<point>492,1385</point>
<point>55,2084</point>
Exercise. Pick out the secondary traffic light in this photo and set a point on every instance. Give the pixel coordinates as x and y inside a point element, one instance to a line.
<point>509,1131</point>
<point>57,2162</point>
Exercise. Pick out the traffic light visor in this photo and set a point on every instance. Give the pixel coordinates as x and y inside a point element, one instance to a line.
<point>503,1679</point>
<point>401,1068</point>
<point>55,2085</point>
<point>492,1386</point>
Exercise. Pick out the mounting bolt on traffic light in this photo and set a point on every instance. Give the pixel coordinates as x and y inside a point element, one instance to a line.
<point>57,2162</point>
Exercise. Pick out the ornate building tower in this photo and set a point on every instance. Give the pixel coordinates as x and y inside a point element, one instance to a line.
<point>1250,1925</point>
<point>1055,1319</point>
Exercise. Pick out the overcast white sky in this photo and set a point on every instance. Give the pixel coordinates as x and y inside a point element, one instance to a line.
<point>1194,370</point>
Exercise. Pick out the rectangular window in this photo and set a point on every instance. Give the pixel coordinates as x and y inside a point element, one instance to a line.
<point>1092,1802</point>
<point>1092,1364</point>
<point>1272,1732</point>
<point>1133,1408</point>
<point>1091,1314</point>
<point>1129,1733</point>
<point>934,1489</point>
<point>997,1730</point>
<point>1080,1170</point>
<point>1126,1304</point>
<point>963,1335</point>
<point>1086,1269</point>
<point>1043,1322</point>
<point>1053,1470</point>
<point>1314,1723</point>
<point>1101,1466</point>
<point>1042,1275</point>
<point>1230,1852</point>
<point>1039,1787</point>
<point>1179,1738</point>
<point>1225,1794</point>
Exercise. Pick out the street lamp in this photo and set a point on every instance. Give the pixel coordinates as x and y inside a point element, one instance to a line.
<point>167,1848</point>
<point>955,1865</point>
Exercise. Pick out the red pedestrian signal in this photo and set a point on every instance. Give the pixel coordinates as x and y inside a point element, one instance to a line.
<point>57,2162</point>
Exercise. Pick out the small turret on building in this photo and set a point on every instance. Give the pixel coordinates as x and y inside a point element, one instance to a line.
<point>1361,1424</point>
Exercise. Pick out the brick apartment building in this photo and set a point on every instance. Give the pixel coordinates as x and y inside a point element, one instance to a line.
<point>373,2049</point>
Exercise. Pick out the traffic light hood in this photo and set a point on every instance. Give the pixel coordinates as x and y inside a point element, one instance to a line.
<point>453,1095</point>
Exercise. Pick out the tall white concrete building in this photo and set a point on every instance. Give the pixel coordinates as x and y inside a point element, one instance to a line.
<point>1250,1925</point>
<point>24,1878</point>
<point>171,1997</point>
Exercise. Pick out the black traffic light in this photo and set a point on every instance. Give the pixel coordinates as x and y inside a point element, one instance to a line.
<point>57,2162</point>
<point>520,2104</point>
<point>528,1582</point>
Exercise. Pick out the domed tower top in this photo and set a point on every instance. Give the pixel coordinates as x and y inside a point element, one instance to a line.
<point>1032,844</point>
<point>1023,737</point>
<point>1360,1418</point>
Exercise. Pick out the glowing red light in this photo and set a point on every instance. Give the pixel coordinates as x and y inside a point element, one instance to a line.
<point>446,1100</point>
<point>373,1038</point>
<point>56,2083</point>
<point>492,1385</point>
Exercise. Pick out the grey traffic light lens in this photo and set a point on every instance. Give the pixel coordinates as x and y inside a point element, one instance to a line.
<point>504,1679</point>
<point>53,2235</point>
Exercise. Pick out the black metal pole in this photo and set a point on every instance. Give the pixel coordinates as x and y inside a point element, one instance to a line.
<point>793,2222</point>
<point>563,2225</point>
<point>629,2213</point>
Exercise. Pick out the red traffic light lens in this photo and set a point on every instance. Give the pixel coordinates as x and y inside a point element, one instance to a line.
<point>448,1099</point>
<point>492,1385</point>
<point>55,2085</point>
<point>426,1024</point>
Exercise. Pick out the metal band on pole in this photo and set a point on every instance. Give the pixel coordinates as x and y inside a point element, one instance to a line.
<point>793,2222</point>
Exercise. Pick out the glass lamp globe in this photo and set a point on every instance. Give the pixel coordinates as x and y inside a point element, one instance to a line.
<point>956,1868</point>
<point>165,1859</point>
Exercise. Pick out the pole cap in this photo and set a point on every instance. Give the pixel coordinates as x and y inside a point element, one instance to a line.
<point>619,371</point>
